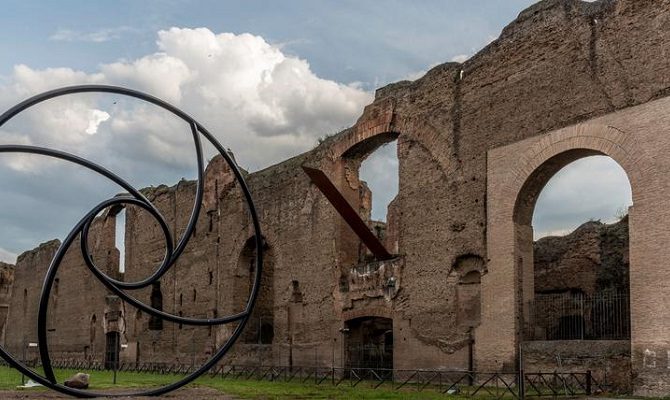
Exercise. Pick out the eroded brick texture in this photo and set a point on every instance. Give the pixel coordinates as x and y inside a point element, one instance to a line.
<point>591,259</point>
<point>560,63</point>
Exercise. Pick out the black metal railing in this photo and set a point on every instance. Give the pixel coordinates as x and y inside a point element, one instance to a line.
<point>498,385</point>
<point>362,355</point>
<point>576,316</point>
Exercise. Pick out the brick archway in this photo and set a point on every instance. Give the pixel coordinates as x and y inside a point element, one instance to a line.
<point>378,119</point>
<point>378,312</point>
<point>637,139</point>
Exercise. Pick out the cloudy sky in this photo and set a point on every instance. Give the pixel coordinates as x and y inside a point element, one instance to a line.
<point>268,78</point>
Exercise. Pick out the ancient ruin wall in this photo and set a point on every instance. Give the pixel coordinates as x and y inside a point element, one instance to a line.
<point>6,287</point>
<point>75,323</point>
<point>559,63</point>
<point>591,259</point>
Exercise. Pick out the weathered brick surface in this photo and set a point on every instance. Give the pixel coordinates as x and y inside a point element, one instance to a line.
<point>6,287</point>
<point>517,173</point>
<point>608,360</point>
<point>591,259</point>
<point>565,78</point>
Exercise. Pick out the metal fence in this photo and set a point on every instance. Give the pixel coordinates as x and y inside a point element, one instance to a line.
<point>576,316</point>
<point>377,356</point>
<point>498,385</point>
<point>463,383</point>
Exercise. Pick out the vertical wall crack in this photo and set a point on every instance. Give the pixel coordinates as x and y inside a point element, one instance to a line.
<point>456,113</point>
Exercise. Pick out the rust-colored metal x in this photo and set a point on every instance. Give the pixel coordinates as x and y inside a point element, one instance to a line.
<point>347,212</point>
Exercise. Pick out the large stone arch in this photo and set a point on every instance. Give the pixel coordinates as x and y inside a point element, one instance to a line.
<point>379,124</point>
<point>379,118</point>
<point>382,120</point>
<point>637,139</point>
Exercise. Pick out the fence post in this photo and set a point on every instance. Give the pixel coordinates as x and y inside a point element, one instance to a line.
<point>522,378</point>
<point>115,357</point>
<point>471,358</point>
<point>589,382</point>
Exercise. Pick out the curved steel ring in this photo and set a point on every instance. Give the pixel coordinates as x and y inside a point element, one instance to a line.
<point>172,252</point>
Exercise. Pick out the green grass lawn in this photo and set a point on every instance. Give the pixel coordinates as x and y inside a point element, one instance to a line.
<point>246,389</point>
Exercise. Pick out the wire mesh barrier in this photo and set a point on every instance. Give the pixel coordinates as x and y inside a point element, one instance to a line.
<point>577,316</point>
<point>561,384</point>
<point>378,356</point>
<point>496,385</point>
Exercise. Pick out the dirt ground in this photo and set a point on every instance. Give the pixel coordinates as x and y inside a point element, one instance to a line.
<point>185,393</point>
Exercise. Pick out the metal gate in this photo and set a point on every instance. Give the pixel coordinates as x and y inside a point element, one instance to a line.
<point>112,349</point>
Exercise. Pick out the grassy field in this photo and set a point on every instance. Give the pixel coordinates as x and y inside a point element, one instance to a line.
<point>245,389</point>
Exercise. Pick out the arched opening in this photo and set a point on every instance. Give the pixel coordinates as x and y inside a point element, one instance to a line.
<point>378,173</point>
<point>116,216</point>
<point>112,349</point>
<point>370,174</point>
<point>260,328</point>
<point>267,332</point>
<point>92,329</point>
<point>136,232</point>
<point>516,175</point>
<point>468,269</point>
<point>580,285</point>
<point>369,343</point>
<point>120,238</point>
<point>137,326</point>
<point>156,323</point>
<point>53,317</point>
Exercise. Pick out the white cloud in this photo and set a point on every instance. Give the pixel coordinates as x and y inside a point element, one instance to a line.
<point>7,256</point>
<point>263,104</point>
<point>461,58</point>
<point>592,188</point>
<point>415,75</point>
<point>380,172</point>
<point>99,36</point>
<point>26,81</point>
<point>419,74</point>
<point>159,74</point>
<point>556,232</point>
<point>96,117</point>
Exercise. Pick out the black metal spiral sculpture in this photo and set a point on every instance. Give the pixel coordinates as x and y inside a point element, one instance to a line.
<point>172,252</point>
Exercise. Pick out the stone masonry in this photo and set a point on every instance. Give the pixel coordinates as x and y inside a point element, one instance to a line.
<point>477,141</point>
